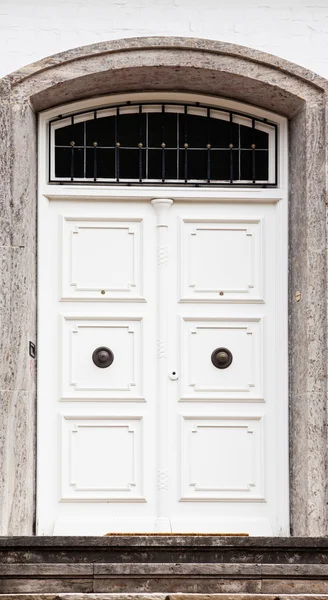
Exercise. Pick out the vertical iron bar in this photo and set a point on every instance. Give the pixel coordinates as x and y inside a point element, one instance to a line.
<point>239,153</point>
<point>140,143</point>
<point>117,146</point>
<point>185,143</point>
<point>231,150</point>
<point>95,153</point>
<point>163,144</point>
<point>54,154</point>
<point>253,151</point>
<point>178,145</point>
<point>84,149</point>
<point>275,156</point>
<point>72,151</point>
<point>147,157</point>
<point>208,145</point>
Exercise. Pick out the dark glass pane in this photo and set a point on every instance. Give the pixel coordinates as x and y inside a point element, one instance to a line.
<point>196,163</point>
<point>129,164</point>
<point>156,137</point>
<point>155,164</point>
<point>220,165</point>
<point>223,133</point>
<point>248,136</point>
<point>71,133</point>
<point>63,162</point>
<point>101,131</point>
<point>261,139</point>
<point>199,133</point>
<point>261,171</point>
<point>246,170</point>
<point>128,130</point>
<point>196,131</point>
<point>262,165</point>
<point>105,163</point>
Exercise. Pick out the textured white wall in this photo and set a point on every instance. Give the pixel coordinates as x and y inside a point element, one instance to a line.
<point>293,29</point>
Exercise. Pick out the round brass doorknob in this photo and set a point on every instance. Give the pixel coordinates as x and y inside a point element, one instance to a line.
<point>221,358</point>
<point>102,357</point>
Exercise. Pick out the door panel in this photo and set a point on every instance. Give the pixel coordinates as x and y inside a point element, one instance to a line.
<point>81,378</point>
<point>88,245</point>
<point>222,458</point>
<point>221,260</point>
<point>201,380</point>
<point>89,471</point>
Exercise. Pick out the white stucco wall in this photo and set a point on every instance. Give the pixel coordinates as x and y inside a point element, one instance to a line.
<point>293,29</point>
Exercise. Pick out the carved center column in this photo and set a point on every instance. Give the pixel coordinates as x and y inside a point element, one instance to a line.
<point>162,207</point>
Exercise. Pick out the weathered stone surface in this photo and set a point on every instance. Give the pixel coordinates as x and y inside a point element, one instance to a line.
<point>285,586</point>
<point>144,596</point>
<point>103,566</point>
<point>192,570</point>
<point>308,325</point>
<point>23,176</point>
<point>46,585</point>
<point>17,429</point>
<point>187,585</point>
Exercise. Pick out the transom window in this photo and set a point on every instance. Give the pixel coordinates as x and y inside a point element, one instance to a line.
<point>185,144</point>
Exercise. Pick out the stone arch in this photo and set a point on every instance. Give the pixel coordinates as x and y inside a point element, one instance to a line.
<point>175,64</point>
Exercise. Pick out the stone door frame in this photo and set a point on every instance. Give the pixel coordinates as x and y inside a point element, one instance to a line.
<point>184,65</point>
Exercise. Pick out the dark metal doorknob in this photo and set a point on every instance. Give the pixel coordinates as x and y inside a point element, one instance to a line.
<point>102,357</point>
<point>221,358</point>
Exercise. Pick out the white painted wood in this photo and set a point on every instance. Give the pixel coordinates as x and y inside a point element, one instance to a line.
<point>235,471</point>
<point>88,447</point>
<point>240,278</point>
<point>80,378</point>
<point>162,440</point>
<point>162,207</point>
<point>242,380</point>
<point>86,244</point>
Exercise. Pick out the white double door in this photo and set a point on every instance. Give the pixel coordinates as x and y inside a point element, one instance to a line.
<point>161,385</point>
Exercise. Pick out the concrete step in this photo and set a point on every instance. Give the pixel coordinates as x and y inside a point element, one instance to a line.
<point>163,565</point>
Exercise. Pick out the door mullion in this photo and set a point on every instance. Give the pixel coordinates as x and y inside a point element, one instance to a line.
<point>161,207</point>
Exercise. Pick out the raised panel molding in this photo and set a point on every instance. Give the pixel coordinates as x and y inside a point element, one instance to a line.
<point>222,458</point>
<point>101,458</point>
<point>101,259</point>
<point>242,380</point>
<point>81,379</point>
<point>221,260</point>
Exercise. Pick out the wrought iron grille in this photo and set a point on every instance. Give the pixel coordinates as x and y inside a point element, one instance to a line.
<point>169,143</point>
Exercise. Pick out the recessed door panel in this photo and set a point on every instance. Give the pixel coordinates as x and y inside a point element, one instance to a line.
<point>221,260</point>
<point>101,259</point>
<point>203,377</point>
<point>222,458</point>
<point>82,377</point>
<point>101,459</point>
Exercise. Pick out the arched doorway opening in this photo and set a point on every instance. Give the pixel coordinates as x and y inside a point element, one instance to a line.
<point>188,66</point>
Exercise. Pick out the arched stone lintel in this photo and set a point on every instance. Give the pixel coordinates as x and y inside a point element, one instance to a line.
<point>178,64</point>
<point>189,45</point>
<point>167,67</point>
